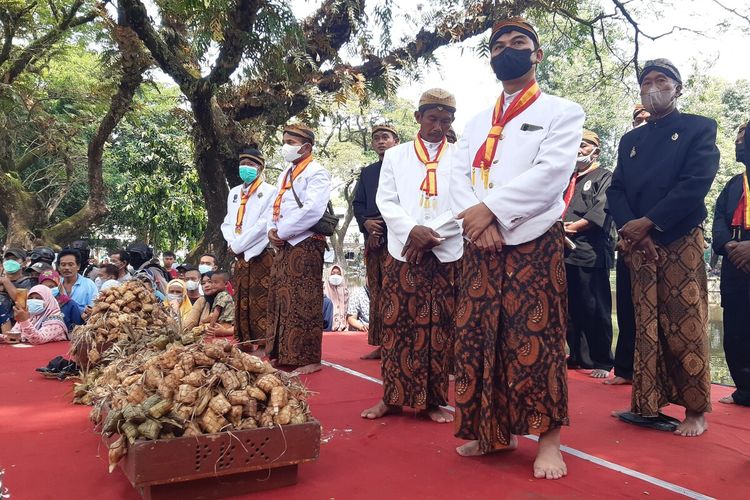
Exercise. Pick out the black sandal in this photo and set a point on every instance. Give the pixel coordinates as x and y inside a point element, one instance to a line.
<point>659,423</point>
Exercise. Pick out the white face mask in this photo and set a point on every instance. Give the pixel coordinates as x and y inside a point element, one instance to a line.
<point>290,152</point>
<point>192,285</point>
<point>335,279</point>
<point>586,160</point>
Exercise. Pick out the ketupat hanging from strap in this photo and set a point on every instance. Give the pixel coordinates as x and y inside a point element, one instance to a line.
<point>294,173</point>
<point>429,184</point>
<point>741,217</point>
<point>485,154</point>
<point>243,204</point>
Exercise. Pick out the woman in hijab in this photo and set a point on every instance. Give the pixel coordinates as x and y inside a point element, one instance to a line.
<point>178,299</point>
<point>41,321</point>
<point>335,289</point>
<point>202,307</point>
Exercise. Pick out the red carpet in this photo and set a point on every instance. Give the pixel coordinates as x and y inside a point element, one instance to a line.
<point>48,449</point>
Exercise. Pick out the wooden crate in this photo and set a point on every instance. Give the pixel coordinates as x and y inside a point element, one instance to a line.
<point>221,464</point>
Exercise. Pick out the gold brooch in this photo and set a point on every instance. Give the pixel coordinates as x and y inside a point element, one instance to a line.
<point>632,152</point>
<point>675,136</point>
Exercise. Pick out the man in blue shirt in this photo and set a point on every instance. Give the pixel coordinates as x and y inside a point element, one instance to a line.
<point>81,290</point>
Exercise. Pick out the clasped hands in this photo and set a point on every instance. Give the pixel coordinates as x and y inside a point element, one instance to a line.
<point>738,254</point>
<point>481,228</point>
<point>635,237</point>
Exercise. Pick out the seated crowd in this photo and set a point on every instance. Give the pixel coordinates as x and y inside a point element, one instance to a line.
<point>44,295</point>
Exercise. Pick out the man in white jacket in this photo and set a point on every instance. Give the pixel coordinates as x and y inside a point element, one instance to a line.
<point>424,244</point>
<point>249,209</point>
<point>512,165</point>
<point>295,299</point>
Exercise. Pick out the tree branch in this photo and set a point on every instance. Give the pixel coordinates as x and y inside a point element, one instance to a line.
<point>138,20</point>
<point>42,44</point>
<point>735,12</point>
<point>239,21</point>
<point>134,62</point>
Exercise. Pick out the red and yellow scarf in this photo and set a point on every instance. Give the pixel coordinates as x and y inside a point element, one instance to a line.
<point>243,204</point>
<point>290,177</point>
<point>572,186</point>
<point>429,184</point>
<point>741,217</point>
<point>483,159</point>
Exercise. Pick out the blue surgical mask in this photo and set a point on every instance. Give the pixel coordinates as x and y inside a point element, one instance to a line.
<point>55,291</point>
<point>204,268</point>
<point>11,266</point>
<point>248,173</point>
<point>35,306</point>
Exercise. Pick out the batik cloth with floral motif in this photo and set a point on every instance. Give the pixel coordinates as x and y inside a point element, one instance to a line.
<point>417,309</point>
<point>511,321</point>
<point>670,296</point>
<point>374,264</point>
<point>251,282</point>
<point>295,303</point>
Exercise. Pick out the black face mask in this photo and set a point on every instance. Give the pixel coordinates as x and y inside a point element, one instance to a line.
<point>739,152</point>
<point>511,63</point>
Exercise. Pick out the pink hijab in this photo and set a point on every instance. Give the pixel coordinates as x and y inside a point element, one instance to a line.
<point>51,310</point>
<point>339,295</point>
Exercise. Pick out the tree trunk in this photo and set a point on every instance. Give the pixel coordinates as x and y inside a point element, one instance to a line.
<point>215,160</point>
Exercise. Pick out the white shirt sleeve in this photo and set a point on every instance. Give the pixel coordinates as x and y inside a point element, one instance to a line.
<point>398,220</point>
<point>532,192</point>
<point>461,190</point>
<point>227,227</point>
<point>271,223</point>
<point>317,196</point>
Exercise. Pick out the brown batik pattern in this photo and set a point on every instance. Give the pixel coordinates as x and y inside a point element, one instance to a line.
<point>251,281</point>
<point>417,309</point>
<point>510,341</point>
<point>374,263</point>
<point>670,296</point>
<point>295,303</point>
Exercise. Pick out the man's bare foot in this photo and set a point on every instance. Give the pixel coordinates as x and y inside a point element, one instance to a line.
<point>307,369</point>
<point>372,355</point>
<point>549,463</point>
<point>471,449</point>
<point>694,424</point>
<point>727,400</point>
<point>618,381</point>
<point>439,415</point>
<point>599,373</point>
<point>380,410</point>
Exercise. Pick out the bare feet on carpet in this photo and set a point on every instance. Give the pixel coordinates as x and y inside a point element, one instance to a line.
<point>727,400</point>
<point>549,463</point>
<point>694,424</point>
<point>439,415</point>
<point>380,410</point>
<point>471,449</point>
<point>599,373</point>
<point>307,369</point>
<point>618,381</point>
<point>372,355</point>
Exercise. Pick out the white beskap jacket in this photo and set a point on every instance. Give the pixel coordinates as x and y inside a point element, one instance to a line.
<point>532,167</point>
<point>313,186</point>
<point>398,201</point>
<point>254,237</point>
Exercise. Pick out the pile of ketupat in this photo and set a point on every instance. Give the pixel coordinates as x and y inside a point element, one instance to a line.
<point>124,320</point>
<point>192,390</point>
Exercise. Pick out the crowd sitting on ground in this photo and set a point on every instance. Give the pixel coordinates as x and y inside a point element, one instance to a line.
<point>59,295</point>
